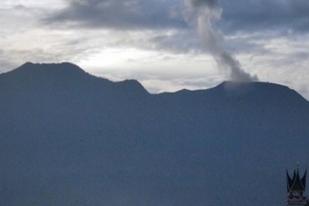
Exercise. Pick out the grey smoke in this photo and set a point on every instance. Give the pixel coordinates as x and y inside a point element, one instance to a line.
<point>205,13</point>
<point>209,3</point>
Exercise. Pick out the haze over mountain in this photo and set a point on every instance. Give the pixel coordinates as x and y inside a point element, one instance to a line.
<point>70,138</point>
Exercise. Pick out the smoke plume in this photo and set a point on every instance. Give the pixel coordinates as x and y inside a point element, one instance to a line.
<point>205,13</point>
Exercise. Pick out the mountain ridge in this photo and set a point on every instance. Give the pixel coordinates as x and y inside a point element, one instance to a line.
<point>67,69</point>
<point>81,140</point>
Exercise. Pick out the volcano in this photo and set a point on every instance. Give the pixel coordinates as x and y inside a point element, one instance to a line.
<point>70,138</point>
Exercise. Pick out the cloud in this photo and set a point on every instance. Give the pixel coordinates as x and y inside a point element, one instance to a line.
<point>170,30</point>
<point>120,14</point>
<point>262,15</point>
<point>238,15</point>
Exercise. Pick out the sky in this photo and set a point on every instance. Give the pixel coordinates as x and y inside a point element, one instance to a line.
<point>158,42</point>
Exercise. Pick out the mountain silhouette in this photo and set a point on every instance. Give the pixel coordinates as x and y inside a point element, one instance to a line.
<point>70,138</point>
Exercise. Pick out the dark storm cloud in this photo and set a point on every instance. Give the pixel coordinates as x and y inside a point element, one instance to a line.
<point>121,14</point>
<point>238,15</point>
<point>261,15</point>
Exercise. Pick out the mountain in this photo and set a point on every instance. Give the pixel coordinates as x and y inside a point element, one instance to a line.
<point>70,138</point>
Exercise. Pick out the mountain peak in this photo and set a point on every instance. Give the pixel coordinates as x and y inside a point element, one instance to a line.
<point>247,87</point>
<point>64,67</point>
<point>259,91</point>
<point>64,76</point>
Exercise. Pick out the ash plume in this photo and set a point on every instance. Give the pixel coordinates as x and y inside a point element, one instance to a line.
<point>205,13</point>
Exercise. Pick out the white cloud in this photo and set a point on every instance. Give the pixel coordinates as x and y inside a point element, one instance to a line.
<point>51,4</point>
